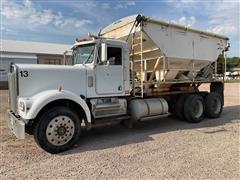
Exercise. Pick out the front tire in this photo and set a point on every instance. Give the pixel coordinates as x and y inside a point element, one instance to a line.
<point>57,130</point>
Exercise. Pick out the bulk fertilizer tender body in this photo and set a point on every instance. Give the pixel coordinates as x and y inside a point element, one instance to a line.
<point>137,69</point>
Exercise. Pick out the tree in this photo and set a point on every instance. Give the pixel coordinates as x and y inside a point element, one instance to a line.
<point>232,63</point>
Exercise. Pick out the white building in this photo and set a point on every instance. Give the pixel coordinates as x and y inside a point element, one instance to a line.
<point>29,52</point>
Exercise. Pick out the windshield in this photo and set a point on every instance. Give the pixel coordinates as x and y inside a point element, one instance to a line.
<point>83,54</point>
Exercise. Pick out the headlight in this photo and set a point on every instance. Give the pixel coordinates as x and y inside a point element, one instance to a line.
<point>21,106</point>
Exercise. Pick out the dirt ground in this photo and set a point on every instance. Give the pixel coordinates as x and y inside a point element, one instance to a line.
<point>162,148</point>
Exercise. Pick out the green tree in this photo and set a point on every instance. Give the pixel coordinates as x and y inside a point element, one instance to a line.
<point>232,63</point>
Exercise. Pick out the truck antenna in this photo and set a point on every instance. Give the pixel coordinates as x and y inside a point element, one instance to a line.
<point>99,33</point>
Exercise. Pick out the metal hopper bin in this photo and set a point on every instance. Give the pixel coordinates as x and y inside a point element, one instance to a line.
<point>166,56</point>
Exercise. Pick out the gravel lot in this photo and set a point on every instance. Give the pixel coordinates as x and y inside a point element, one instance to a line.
<point>162,148</point>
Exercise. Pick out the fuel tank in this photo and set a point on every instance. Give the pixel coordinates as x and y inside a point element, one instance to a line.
<point>144,108</point>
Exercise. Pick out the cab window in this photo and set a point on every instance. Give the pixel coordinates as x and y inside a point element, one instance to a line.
<point>114,55</point>
<point>83,54</point>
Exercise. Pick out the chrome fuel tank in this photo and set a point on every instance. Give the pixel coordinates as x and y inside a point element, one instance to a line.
<point>143,108</point>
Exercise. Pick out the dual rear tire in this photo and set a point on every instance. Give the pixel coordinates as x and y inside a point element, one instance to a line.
<point>213,105</point>
<point>194,107</point>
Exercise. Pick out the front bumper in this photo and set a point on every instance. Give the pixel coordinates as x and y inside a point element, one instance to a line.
<point>17,125</point>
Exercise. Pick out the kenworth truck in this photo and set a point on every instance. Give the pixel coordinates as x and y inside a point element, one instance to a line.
<point>136,69</point>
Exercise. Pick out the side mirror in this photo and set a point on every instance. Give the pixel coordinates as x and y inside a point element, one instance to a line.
<point>103,52</point>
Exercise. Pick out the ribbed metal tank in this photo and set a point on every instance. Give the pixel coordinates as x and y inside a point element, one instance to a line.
<point>187,50</point>
<point>143,108</point>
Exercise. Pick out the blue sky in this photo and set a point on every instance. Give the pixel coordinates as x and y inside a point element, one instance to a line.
<point>61,21</point>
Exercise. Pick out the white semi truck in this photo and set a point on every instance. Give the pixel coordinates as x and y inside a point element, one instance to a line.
<point>136,69</point>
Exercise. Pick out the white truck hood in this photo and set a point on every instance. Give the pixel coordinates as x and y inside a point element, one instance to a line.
<point>35,78</point>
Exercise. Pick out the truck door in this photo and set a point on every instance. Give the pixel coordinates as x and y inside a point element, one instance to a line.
<point>109,75</point>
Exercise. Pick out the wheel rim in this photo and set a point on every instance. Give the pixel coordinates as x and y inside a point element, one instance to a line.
<point>60,130</point>
<point>197,109</point>
<point>217,105</point>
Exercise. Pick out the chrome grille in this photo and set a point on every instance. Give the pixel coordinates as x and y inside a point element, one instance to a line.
<point>12,88</point>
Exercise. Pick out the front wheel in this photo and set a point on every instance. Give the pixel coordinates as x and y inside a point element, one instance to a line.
<point>57,130</point>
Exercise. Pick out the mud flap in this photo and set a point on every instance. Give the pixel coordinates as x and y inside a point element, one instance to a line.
<point>218,87</point>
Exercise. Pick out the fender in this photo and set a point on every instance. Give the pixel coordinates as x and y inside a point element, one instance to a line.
<point>38,101</point>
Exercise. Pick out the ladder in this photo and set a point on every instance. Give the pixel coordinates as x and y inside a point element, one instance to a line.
<point>134,45</point>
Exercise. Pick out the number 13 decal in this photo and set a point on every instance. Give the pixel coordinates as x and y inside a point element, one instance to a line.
<point>24,73</point>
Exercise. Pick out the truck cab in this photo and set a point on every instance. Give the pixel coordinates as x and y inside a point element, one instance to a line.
<point>107,65</point>
<point>93,86</point>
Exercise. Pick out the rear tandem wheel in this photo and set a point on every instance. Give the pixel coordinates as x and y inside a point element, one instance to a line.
<point>213,105</point>
<point>190,107</point>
